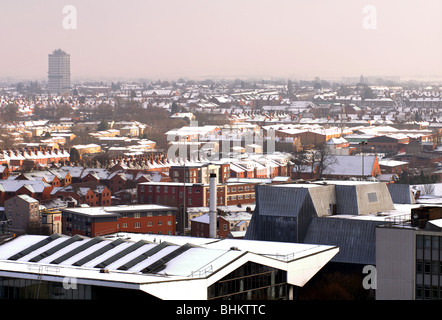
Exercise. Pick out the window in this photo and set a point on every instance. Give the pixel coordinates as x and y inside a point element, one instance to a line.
<point>137,224</point>
<point>149,224</point>
<point>158,189</point>
<point>420,242</point>
<point>149,188</point>
<point>124,225</point>
<point>160,223</point>
<point>427,267</point>
<point>419,266</point>
<point>169,223</point>
<point>137,215</point>
<point>166,189</point>
<point>372,197</point>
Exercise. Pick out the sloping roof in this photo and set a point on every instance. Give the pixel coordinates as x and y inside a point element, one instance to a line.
<point>401,193</point>
<point>351,166</point>
<point>27,198</point>
<point>282,202</point>
<point>34,185</point>
<point>355,238</point>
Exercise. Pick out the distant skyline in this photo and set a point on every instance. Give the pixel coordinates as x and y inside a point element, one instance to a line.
<point>201,39</point>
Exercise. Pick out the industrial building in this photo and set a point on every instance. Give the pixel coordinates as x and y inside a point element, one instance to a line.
<point>152,267</point>
<point>341,213</point>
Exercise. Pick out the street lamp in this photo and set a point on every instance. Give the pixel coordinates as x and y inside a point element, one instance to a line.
<point>184,186</point>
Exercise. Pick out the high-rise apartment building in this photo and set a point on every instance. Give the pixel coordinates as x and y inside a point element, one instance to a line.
<point>59,72</point>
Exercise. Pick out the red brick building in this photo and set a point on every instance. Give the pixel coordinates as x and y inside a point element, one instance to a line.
<point>228,225</point>
<point>199,172</point>
<point>196,194</point>
<point>4,172</point>
<point>16,157</point>
<point>92,195</point>
<point>36,189</point>
<point>386,143</point>
<point>97,221</point>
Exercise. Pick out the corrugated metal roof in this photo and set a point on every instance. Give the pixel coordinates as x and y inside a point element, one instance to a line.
<point>299,216</point>
<point>401,193</point>
<point>281,202</point>
<point>355,238</point>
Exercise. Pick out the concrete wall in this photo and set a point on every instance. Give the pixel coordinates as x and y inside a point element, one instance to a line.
<point>373,197</point>
<point>395,263</point>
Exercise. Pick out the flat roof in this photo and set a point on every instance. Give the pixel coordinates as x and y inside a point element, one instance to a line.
<point>112,210</point>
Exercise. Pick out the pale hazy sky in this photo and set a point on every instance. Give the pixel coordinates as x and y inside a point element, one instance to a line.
<point>164,39</point>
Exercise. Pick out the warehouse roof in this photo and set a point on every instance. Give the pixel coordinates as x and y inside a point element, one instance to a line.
<point>155,264</point>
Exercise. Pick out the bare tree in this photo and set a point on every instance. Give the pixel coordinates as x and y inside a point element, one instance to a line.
<point>426,189</point>
<point>322,159</point>
<point>300,161</point>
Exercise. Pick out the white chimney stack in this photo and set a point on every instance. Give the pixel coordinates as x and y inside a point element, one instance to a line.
<point>213,211</point>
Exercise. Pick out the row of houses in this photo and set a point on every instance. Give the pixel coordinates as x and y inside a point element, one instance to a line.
<point>17,156</point>
<point>92,186</point>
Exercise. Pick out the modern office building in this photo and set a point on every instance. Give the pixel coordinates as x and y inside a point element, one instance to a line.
<point>152,267</point>
<point>59,72</point>
<point>409,257</point>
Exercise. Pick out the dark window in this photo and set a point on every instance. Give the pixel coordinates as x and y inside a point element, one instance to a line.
<point>251,281</point>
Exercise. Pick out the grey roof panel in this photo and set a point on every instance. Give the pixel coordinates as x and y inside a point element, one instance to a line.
<point>401,193</point>
<point>281,202</point>
<point>98,252</point>
<point>355,238</point>
<point>161,263</point>
<point>56,248</point>
<point>144,255</point>
<point>122,253</point>
<point>79,249</point>
<point>34,247</point>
